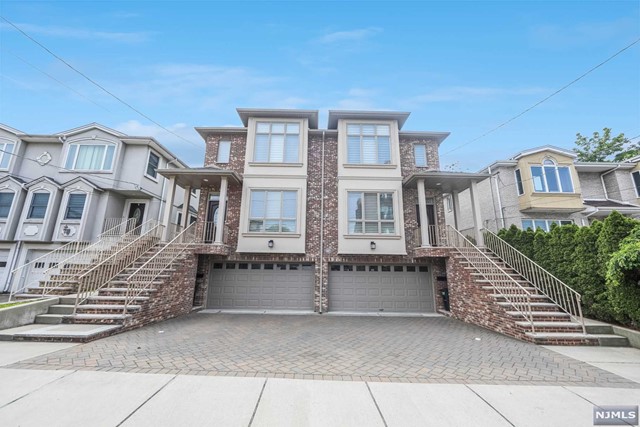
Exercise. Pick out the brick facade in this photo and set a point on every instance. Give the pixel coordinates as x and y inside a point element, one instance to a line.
<point>316,204</point>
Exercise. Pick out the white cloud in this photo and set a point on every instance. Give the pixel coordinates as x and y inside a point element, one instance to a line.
<point>350,35</point>
<point>582,34</point>
<point>80,33</point>
<point>467,93</point>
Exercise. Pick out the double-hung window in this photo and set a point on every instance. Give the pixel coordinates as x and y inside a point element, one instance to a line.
<point>551,178</point>
<point>152,165</point>
<point>6,200</point>
<point>38,208</point>
<point>6,151</point>
<point>370,213</point>
<point>519,182</point>
<point>636,181</point>
<point>75,206</point>
<point>277,142</point>
<point>368,144</point>
<point>90,157</point>
<point>224,150</point>
<point>273,211</point>
<point>420,155</point>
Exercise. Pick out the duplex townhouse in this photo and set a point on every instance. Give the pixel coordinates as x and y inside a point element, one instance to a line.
<point>546,185</point>
<point>72,185</point>
<point>347,218</point>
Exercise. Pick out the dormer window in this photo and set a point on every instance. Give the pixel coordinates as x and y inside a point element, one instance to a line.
<point>75,206</point>
<point>38,208</point>
<point>5,154</point>
<point>277,142</point>
<point>6,200</point>
<point>90,157</point>
<point>551,178</point>
<point>368,144</point>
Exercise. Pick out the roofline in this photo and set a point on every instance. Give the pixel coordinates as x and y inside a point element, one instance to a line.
<point>335,115</point>
<point>11,130</point>
<point>204,131</point>
<point>202,171</point>
<point>477,177</point>
<point>544,148</point>
<point>151,142</point>
<point>498,163</point>
<point>438,136</point>
<point>246,113</point>
<point>89,126</point>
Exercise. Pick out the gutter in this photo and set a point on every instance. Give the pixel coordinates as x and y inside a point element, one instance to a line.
<point>604,187</point>
<point>321,224</point>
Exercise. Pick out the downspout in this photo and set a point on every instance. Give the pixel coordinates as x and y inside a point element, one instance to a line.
<point>321,222</point>
<point>500,208</point>
<point>604,187</point>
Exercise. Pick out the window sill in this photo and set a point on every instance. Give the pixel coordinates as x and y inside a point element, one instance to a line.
<point>150,178</point>
<point>276,165</point>
<point>279,235</point>
<point>553,193</point>
<point>373,236</point>
<point>368,166</point>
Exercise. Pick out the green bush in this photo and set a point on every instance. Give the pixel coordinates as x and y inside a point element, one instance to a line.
<point>623,281</point>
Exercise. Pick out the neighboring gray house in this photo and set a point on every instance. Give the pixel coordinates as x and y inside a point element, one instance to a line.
<point>546,185</point>
<point>62,187</point>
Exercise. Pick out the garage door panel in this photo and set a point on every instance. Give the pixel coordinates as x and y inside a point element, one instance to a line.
<point>375,288</point>
<point>261,286</point>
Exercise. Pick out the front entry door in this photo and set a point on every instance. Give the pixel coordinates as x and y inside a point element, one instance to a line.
<point>212,218</point>
<point>433,229</point>
<point>136,210</point>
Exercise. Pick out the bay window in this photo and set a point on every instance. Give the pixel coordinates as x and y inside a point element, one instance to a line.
<point>544,224</point>
<point>370,213</point>
<point>91,157</point>
<point>551,178</point>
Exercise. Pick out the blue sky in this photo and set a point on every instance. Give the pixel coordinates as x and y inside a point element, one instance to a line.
<point>462,67</point>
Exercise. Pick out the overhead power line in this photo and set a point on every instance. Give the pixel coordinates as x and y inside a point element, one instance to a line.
<point>98,85</point>
<point>547,98</point>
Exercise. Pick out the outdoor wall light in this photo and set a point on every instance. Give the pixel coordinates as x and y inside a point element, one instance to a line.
<point>270,244</point>
<point>372,245</point>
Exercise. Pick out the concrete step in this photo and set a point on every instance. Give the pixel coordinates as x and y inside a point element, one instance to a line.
<point>61,309</point>
<point>107,299</point>
<point>49,319</point>
<point>541,315</point>
<point>118,290</point>
<point>539,306</point>
<point>509,289</point>
<point>59,333</point>
<point>574,338</point>
<point>534,297</point>
<point>110,318</point>
<point>543,326</point>
<point>106,308</point>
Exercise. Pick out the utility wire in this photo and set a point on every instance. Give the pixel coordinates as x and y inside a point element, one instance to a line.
<point>98,85</point>
<point>54,79</point>
<point>547,98</point>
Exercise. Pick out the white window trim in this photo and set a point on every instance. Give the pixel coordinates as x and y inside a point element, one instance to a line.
<point>45,217</point>
<point>396,231</point>
<point>13,202</point>
<point>633,182</point>
<point>66,206</point>
<point>548,223</point>
<point>84,141</point>
<point>146,166</point>
<point>544,176</point>
<point>515,174</point>
<point>301,129</point>
<point>426,159</point>
<point>227,141</point>
<point>296,233</point>
<point>3,145</point>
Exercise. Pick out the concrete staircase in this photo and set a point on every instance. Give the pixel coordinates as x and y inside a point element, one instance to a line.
<point>551,324</point>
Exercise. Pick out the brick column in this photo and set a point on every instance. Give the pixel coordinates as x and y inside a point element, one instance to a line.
<point>222,207</point>
<point>424,219</point>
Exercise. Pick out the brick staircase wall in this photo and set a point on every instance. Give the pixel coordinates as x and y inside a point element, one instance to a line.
<point>471,303</point>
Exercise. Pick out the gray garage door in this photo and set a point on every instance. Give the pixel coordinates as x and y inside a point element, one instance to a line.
<point>375,288</point>
<point>257,286</point>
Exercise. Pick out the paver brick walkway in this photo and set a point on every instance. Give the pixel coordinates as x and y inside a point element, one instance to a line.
<point>398,349</point>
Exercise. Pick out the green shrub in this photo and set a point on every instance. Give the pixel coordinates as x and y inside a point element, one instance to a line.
<point>623,281</point>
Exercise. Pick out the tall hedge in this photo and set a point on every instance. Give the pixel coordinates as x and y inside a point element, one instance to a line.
<point>601,262</point>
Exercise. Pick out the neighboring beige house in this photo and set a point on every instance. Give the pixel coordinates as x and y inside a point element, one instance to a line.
<point>67,186</point>
<point>546,185</point>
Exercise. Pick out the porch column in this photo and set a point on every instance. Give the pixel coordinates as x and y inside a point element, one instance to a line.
<point>475,210</point>
<point>166,219</point>
<point>185,206</point>
<point>222,208</point>
<point>424,219</point>
<point>455,198</point>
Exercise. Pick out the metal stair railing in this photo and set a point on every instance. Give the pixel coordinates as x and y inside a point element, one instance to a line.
<point>567,299</point>
<point>501,281</point>
<point>69,256</point>
<point>91,281</point>
<point>144,277</point>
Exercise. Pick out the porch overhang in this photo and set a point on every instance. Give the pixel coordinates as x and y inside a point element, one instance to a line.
<point>447,182</point>
<point>197,178</point>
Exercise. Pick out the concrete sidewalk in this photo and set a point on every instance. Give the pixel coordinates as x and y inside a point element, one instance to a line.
<point>33,397</point>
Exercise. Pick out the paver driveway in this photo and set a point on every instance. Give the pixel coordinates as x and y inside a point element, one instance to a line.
<point>399,349</point>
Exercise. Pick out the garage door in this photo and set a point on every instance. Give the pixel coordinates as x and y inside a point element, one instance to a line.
<point>258,286</point>
<point>375,288</point>
<point>34,273</point>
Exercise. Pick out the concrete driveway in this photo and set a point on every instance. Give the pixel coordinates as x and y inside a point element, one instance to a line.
<point>374,349</point>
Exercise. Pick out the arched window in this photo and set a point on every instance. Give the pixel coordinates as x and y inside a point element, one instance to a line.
<point>551,178</point>
<point>90,156</point>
